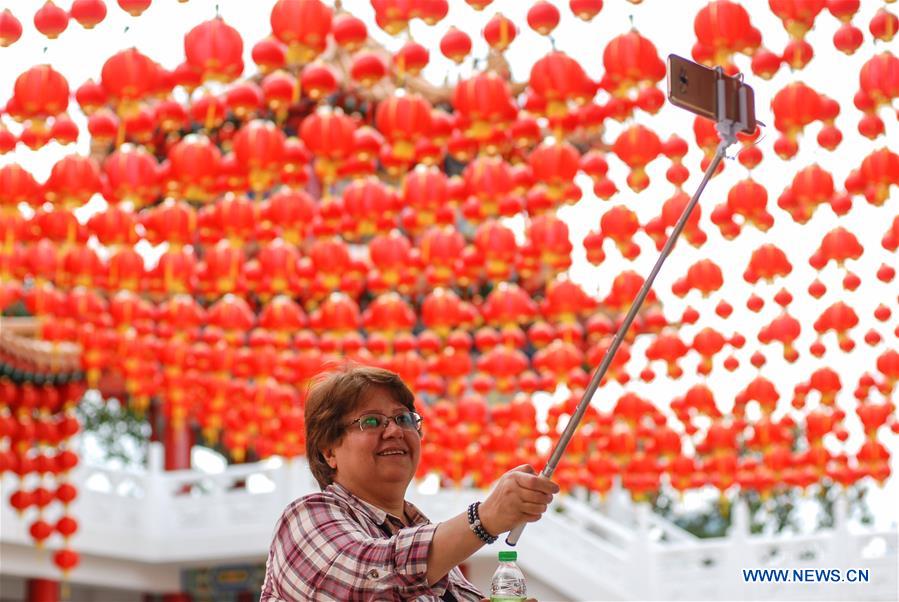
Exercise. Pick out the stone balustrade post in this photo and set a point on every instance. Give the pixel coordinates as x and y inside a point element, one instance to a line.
<point>157,499</point>
<point>644,555</point>
<point>842,552</point>
<point>730,573</point>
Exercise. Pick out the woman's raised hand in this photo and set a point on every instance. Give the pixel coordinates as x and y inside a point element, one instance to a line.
<point>520,495</point>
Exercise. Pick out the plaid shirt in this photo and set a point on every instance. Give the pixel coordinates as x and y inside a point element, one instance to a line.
<point>334,546</point>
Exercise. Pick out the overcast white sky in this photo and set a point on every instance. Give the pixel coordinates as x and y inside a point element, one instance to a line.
<point>79,55</point>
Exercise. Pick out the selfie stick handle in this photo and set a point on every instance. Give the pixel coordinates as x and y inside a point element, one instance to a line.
<point>727,131</point>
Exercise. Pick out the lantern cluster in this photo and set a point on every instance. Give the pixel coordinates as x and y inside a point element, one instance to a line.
<point>253,225</point>
<point>37,423</point>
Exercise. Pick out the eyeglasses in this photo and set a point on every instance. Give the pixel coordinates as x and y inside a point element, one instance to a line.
<point>408,421</point>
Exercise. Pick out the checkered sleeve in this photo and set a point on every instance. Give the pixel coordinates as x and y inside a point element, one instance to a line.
<point>320,551</point>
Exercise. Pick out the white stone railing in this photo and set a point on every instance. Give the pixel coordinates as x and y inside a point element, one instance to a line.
<point>714,569</point>
<point>155,518</point>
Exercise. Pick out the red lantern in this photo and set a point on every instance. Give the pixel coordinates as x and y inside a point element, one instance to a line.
<point>10,28</point>
<point>440,247</point>
<point>194,164</point>
<point>215,50</point>
<point>338,314</point>
<point>630,60</point>
<point>431,11</point>
<point>508,305</point>
<point>172,221</point>
<point>878,79</point>
<point>318,80</point>
<point>848,38</point>
<point>843,9</point>
<point>724,27</point>
<point>304,26</point>
<point>888,365</point>
<point>349,31</point>
<point>368,68</point>
<point>329,135</point>
<point>21,500</point>
<point>749,199</point>
<point>637,146</point>
<point>558,79</point>
<point>181,314</point>
<point>269,55</point>
<point>556,165</point>
<point>426,191</point>
<point>388,314</point>
<point>51,20</point>
<point>798,16</point>
<point>585,9</point>
<point>18,186</point>
<point>390,255</point>
<point>41,92</point>
<point>500,32</point>
<point>411,59</point>
<point>64,130</point>
<point>135,8</point>
<point>259,148</point>
<point>403,120</point>
<point>103,126</point>
<point>797,54</point>
<point>504,364</point>
<point>838,245</point>
<point>489,180</point>
<point>393,15</point>
<point>66,526</point>
<point>767,262</point>
<point>543,17</point>
<point>233,217</point>
<point>765,63</point>
<point>455,45</point>
<point>132,175</point>
<point>66,560</point>
<point>232,315</point>
<point>884,25</point>
<point>549,236</point>
<point>840,318</point>
<point>795,106</point>
<point>496,243</point>
<point>88,13</point>
<point>73,180</point>
<point>127,77</point>
<point>486,102</point>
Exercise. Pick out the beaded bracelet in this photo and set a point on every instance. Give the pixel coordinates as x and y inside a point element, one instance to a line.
<point>474,523</point>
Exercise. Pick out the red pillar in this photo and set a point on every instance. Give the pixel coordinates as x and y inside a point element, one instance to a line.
<point>177,441</point>
<point>42,590</point>
<point>176,598</point>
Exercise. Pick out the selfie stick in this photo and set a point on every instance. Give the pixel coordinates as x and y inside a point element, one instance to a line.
<point>727,131</point>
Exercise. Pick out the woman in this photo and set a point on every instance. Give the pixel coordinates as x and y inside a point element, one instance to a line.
<point>359,539</point>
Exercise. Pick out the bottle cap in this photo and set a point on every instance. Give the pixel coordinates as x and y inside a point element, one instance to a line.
<point>508,556</point>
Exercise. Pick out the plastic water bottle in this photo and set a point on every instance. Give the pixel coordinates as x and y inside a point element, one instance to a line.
<point>508,581</point>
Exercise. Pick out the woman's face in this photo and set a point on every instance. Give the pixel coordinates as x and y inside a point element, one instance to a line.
<point>378,461</point>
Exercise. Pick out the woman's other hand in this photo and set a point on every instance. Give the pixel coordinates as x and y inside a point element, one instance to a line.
<point>520,495</point>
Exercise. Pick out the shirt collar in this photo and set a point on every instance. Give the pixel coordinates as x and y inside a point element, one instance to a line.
<point>376,514</point>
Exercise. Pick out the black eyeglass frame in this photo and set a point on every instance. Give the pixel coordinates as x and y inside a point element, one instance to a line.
<point>385,421</point>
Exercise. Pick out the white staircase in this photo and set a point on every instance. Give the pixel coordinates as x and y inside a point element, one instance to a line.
<point>138,529</point>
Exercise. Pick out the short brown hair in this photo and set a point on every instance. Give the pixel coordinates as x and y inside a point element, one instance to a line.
<point>332,397</point>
